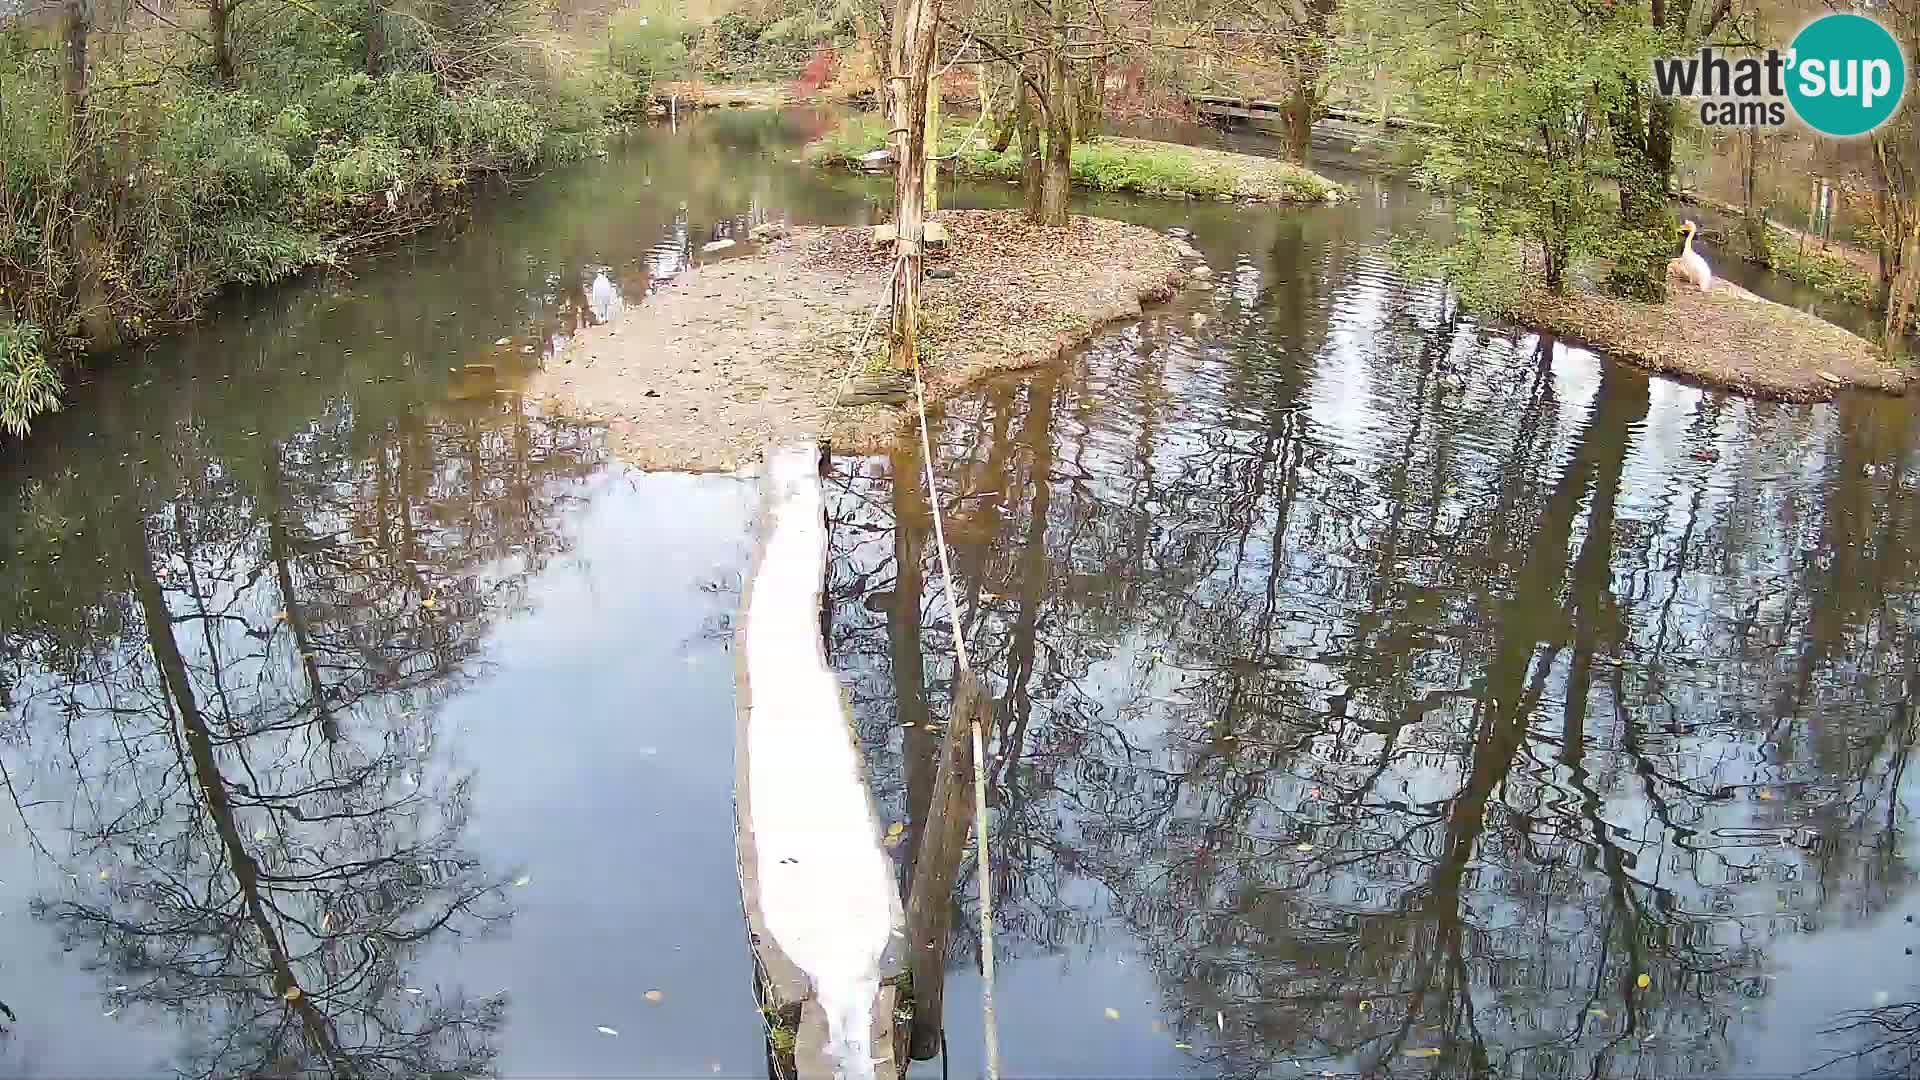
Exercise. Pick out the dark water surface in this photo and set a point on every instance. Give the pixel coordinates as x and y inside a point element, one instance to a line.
<point>1378,692</point>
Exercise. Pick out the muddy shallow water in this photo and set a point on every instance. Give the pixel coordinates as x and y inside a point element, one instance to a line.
<point>1378,692</point>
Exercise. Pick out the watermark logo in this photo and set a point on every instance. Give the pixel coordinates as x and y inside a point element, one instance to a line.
<point>1843,75</point>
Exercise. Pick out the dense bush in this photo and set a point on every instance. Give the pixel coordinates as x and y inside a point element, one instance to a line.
<point>199,185</point>
<point>648,46</point>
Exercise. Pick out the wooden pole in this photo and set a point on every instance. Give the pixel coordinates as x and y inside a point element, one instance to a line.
<point>916,23</point>
<point>943,846</point>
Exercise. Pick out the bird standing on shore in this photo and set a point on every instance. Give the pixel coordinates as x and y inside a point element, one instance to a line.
<point>1690,266</point>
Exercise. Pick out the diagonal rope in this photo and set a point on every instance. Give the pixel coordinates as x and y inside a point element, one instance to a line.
<point>989,1024</point>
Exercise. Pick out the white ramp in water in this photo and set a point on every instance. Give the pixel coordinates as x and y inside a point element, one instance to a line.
<point>819,891</point>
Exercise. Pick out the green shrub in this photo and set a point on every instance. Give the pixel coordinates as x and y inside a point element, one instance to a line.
<point>206,185</point>
<point>647,47</point>
<point>29,383</point>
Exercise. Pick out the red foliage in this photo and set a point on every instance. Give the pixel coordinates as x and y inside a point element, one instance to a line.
<point>818,72</point>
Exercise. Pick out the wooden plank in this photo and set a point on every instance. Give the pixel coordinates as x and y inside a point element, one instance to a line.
<point>823,912</point>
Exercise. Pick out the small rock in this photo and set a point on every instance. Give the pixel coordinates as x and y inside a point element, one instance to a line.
<point>1203,286</point>
<point>876,158</point>
<point>1203,272</point>
<point>1223,198</point>
<point>717,245</point>
<point>772,230</point>
<point>938,273</point>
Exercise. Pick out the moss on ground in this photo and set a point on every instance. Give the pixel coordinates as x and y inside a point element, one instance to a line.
<point>1137,166</point>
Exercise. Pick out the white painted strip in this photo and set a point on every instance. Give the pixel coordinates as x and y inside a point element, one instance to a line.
<point>825,887</point>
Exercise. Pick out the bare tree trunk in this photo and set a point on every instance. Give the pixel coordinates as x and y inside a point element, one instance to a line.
<point>376,36</point>
<point>1031,161</point>
<point>932,126</point>
<point>219,14</point>
<point>85,244</point>
<point>915,23</point>
<point>1057,177</point>
<point>1753,222</point>
<point>1905,289</point>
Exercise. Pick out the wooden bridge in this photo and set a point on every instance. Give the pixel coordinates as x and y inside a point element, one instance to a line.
<point>1222,107</point>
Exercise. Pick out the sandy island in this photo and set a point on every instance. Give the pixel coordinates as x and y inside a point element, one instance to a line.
<point>753,349</point>
<point>1727,338</point>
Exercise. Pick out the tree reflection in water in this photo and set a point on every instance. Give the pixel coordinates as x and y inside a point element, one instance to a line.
<point>1424,700</point>
<point>230,740</point>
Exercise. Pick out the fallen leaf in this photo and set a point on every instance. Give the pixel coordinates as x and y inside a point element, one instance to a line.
<point>1305,847</point>
<point>894,830</point>
<point>280,616</point>
<point>1113,1014</point>
<point>292,993</point>
<point>259,834</point>
<point>509,341</point>
<point>654,996</point>
<point>415,991</point>
<point>605,1030</point>
<point>103,875</point>
<point>1601,1013</point>
<point>1425,1051</point>
<point>1644,981</point>
<point>326,920</point>
<point>523,881</point>
<point>1220,1020</point>
<point>1365,1005</point>
<point>1181,1046</point>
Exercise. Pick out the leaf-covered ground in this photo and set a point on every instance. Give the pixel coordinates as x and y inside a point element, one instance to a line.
<point>1727,338</point>
<point>754,349</point>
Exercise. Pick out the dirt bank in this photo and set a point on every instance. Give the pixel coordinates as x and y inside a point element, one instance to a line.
<point>1727,338</point>
<point>755,348</point>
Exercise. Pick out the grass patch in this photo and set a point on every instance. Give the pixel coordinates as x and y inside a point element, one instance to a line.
<point>1135,166</point>
<point>1826,273</point>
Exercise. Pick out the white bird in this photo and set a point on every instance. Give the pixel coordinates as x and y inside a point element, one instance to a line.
<point>601,297</point>
<point>1690,266</point>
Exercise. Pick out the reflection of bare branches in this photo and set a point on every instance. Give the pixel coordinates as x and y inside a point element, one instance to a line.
<point>266,831</point>
<point>1889,1036</point>
<point>1424,738</point>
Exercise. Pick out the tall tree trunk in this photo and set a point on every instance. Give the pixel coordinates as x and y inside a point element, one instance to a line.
<point>1031,152</point>
<point>1090,101</point>
<point>376,36</point>
<point>915,23</point>
<point>1309,67</point>
<point>219,14</point>
<point>1753,222</point>
<point>1057,177</point>
<point>1904,290</point>
<point>85,245</point>
<point>932,140</point>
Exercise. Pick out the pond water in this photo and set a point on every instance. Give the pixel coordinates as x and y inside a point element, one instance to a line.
<point>1378,692</point>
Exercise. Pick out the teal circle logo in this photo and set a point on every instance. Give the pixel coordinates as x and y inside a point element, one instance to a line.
<point>1846,75</point>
